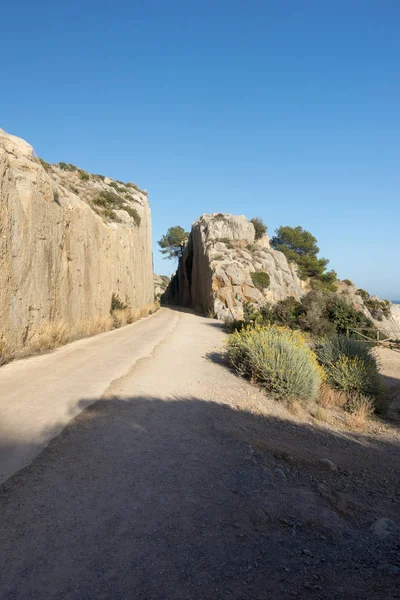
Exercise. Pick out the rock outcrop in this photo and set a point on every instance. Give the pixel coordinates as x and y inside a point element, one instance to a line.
<point>69,242</point>
<point>387,320</point>
<point>223,266</point>
<point>161,283</point>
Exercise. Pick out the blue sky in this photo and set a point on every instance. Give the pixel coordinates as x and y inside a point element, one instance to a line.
<point>285,109</point>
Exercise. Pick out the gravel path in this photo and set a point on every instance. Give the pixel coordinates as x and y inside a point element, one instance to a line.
<point>184,482</point>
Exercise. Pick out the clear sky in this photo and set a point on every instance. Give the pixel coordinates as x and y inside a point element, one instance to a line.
<point>284,109</point>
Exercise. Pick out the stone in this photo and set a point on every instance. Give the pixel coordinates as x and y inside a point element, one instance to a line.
<point>61,262</point>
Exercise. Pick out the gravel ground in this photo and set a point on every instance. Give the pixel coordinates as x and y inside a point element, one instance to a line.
<point>185,482</point>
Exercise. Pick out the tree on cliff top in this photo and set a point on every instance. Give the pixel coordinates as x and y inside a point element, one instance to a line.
<point>173,242</point>
<point>300,246</point>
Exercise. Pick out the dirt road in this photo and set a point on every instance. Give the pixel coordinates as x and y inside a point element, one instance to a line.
<point>185,482</point>
<point>40,395</point>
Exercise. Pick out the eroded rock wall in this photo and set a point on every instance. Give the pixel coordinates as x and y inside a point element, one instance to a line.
<point>60,260</point>
<point>214,273</point>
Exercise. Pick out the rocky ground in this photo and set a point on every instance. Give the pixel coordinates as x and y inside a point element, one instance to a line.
<point>183,481</point>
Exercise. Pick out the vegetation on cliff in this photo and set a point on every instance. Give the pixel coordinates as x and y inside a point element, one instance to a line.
<point>300,246</point>
<point>260,227</point>
<point>173,242</point>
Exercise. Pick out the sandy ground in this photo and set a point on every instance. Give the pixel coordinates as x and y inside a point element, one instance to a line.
<point>183,481</point>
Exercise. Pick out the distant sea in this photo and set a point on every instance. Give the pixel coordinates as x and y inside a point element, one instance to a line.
<point>395,301</point>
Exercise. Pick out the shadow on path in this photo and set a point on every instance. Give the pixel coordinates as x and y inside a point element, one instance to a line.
<point>187,499</point>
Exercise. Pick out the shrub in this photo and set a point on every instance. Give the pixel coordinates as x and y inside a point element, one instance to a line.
<point>260,279</point>
<point>345,317</point>
<point>109,201</point>
<point>110,214</point>
<point>287,312</point>
<point>278,359</point>
<point>56,196</point>
<point>325,282</point>
<point>348,282</point>
<point>102,177</point>
<point>377,308</point>
<point>259,226</point>
<point>83,175</point>
<point>67,167</point>
<point>132,212</point>
<point>363,293</point>
<point>349,365</point>
<point>46,166</point>
<point>116,303</point>
<point>314,317</point>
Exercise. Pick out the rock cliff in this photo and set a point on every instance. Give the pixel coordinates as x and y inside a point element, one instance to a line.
<point>69,242</point>
<point>161,283</point>
<point>223,266</point>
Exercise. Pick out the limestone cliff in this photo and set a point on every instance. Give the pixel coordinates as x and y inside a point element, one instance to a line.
<point>161,283</point>
<point>218,270</point>
<point>68,242</point>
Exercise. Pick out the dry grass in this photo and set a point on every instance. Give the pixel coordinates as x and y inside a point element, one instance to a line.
<point>86,328</point>
<point>48,336</point>
<point>360,408</point>
<point>330,398</point>
<point>319,413</point>
<point>127,316</point>
<point>295,408</point>
<point>52,335</point>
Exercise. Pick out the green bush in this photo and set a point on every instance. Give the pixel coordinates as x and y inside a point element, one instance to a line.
<point>287,312</point>
<point>56,196</point>
<point>110,214</point>
<point>346,318</point>
<point>260,279</point>
<point>348,282</point>
<point>277,359</point>
<point>83,175</point>
<point>132,212</point>
<point>349,365</point>
<point>46,166</point>
<point>116,303</point>
<point>259,226</point>
<point>67,167</point>
<point>363,293</point>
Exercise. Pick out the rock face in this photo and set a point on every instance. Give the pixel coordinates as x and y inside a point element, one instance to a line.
<point>161,283</point>
<point>69,241</point>
<point>216,272</point>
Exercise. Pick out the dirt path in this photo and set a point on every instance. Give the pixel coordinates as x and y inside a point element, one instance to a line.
<point>41,394</point>
<point>185,482</point>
